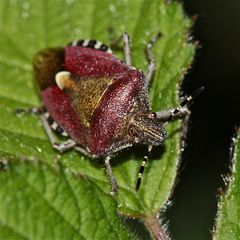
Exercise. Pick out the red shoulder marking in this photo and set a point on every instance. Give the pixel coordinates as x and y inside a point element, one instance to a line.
<point>59,107</point>
<point>87,62</point>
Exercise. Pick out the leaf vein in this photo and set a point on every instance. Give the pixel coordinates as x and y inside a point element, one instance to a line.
<point>14,230</point>
<point>74,197</point>
<point>109,220</point>
<point>15,46</point>
<point>20,66</point>
<point>23,178</point>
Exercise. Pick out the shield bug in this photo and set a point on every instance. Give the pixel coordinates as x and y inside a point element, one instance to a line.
<point>98,102</point>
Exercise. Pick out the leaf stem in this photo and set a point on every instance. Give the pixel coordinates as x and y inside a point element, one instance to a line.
<point>157,231</point>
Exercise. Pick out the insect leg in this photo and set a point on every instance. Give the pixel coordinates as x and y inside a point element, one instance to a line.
<point>181,111</point>
<point>151,58</point>
<point>126,48</point>
<point>28,110</point>
<point>84,151</point>
<point>115,43</point>
<point>111,177</point>
<point>61,147</point>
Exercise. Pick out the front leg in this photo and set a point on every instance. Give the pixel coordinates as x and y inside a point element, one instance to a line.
<point>32,110</point>
<point>112,180</point>
<point>115,43</point>
<point>151,58</point>
<point>127,48</point>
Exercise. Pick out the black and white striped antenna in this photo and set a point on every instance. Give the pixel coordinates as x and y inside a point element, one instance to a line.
<point>141,169</point>
<point>167,116</point>
<point>186,102</point>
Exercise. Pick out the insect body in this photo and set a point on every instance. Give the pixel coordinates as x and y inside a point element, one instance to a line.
<point>99,102</point>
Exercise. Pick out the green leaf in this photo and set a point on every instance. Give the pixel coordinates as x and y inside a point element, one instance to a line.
<point>66,205</point>
<point>228,219</point>
<point>29,26</point>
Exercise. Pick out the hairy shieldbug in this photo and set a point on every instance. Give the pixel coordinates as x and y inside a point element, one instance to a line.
<point>99,102</point>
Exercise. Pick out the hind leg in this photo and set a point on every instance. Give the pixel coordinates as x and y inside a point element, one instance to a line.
<point>61,147</point>
<point>151,58</point>
<point>127,48</point>
<point>116,43</point>
<point>112,180</point>
<point>44,118</point>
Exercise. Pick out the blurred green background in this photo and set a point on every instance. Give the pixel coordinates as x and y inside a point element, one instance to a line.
<point>214,114</point>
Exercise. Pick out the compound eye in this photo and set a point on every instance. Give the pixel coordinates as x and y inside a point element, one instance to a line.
<point>152,115</point>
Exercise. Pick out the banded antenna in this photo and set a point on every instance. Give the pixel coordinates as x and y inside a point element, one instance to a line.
<point>141,169</point>
<point>166,116</point>
<point>185,102</point>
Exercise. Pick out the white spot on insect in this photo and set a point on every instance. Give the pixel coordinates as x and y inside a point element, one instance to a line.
<point>64,134</point>
<point>61,78</point>
<point>46,115</point>
<point>85,43</point>
<point>109,51</point>
<point>74,43</point>
<point>143,163</point>
<point>54,126</point>
<point>150,148</point>
<point>133,68</point>
<point>97,45</point>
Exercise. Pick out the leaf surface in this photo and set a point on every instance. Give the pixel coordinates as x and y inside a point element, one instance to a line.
<point>39,202</point>
<point>228,219</point>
